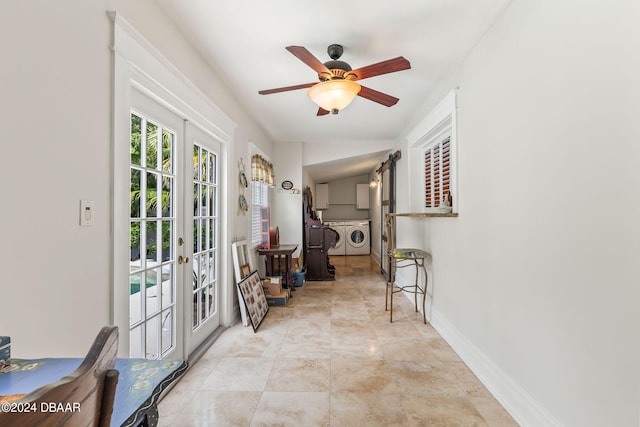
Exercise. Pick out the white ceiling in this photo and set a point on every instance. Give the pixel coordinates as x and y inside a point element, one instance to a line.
<point>244,42</point>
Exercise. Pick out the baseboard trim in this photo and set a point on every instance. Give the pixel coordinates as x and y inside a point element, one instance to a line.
<point>520,404</point>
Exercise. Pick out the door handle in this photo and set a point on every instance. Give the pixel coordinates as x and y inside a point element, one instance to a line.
<point>182,260</point>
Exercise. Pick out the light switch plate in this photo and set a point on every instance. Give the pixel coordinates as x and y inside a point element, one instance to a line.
<point>86,212</point>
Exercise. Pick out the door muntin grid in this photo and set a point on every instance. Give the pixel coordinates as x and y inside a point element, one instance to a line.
<point>152,278</point>
<point>205,222</point>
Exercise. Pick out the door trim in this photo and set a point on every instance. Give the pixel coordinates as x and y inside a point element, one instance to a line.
<point>137,63</point>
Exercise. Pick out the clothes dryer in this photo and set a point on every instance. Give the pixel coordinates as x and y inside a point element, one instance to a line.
<point>357,234</point>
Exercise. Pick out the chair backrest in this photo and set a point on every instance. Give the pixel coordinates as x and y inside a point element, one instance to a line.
<point>91,388</point>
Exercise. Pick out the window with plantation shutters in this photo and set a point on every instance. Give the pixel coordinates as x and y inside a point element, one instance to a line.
<point>437,173</point>
<point>433,148</point>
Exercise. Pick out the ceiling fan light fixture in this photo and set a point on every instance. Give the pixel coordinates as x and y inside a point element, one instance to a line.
<point>334,94</point>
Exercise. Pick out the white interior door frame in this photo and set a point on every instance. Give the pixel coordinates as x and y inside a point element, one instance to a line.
<point>138,64</point>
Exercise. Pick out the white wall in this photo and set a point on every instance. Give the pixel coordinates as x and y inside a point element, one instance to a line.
<point>342,199</point>
<point>55,113</point>
<point>314,153</point>
<point>536,282</point>
<point>286,210</point>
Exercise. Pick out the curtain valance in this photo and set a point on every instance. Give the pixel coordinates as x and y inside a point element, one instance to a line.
<point>262,170</point>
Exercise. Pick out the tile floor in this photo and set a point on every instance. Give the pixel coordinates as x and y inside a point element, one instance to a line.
<point>331,358</point>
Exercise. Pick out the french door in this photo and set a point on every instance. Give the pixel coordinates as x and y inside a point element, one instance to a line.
<point>173,223</point>
<point>203,292</point>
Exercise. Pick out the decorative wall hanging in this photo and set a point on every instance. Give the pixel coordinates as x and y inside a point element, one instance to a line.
<point>243,206</point>
<point>287,187</point>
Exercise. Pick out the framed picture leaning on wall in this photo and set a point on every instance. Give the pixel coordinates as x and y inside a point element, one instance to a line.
<point>254,299</point>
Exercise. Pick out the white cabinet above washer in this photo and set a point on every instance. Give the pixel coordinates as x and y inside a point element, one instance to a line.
<point>362,196</point>
<point>322,196</point>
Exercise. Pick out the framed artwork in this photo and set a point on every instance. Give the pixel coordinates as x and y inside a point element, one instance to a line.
<point>254,298</point>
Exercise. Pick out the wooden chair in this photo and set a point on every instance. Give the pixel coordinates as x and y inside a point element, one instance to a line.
<point>92,387</point>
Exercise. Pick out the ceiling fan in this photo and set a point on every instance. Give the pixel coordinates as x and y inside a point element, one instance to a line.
<point>337,86</point>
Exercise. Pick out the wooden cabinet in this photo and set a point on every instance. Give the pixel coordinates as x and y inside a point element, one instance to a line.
<point>322,196</point>
<point>362,196</point>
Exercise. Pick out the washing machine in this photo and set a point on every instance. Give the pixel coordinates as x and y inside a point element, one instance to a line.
<point>340,228</point>
<point>357,234</point>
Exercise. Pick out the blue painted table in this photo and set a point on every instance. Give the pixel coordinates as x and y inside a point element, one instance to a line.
<point>139,385</point>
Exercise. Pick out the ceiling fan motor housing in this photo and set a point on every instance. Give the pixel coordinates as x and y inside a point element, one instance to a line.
<point>338,68</point>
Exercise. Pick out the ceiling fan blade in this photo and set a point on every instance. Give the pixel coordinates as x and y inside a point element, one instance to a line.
<point>379,97</point>
<point>284,89</point>
<point>384,67</point>
<point>307,57</point>
<point>322,112</point>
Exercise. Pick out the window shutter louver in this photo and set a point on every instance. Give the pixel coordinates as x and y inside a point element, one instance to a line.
<point>437,196</point>
<point>428,196</point>
<point>446,167</point>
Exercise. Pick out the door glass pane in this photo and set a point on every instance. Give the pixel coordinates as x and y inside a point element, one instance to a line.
<point>202,239</point>
<point>134,239</point>
<point>196,162</point>
<point>211,299</point>
<point>152,350</point>
<point>151,151</point>
<point>167,289</point>
<point>136,133</point>
<point>196,269</point>
<point>135,193</point>
<point>167,327</point>
<point>167,238</point>
<point>135,304</point>
<point>196,233</point>
<point>195,199</point>
<point>167,191</point>
<point>204,298</point>
<point>151,291</point>
<point>212,168</point>
<point>212,233</point>
<point>196,308</point>
<point>203,165</point>
<point>136,342</point>
<point>151,239</point>
<point>152,195</point>
<point>203,200</point>
<point>167,148</point>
